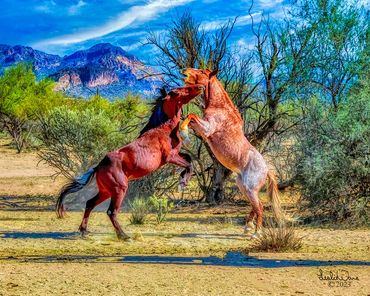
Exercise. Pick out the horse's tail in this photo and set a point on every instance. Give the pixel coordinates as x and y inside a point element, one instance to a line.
<point>74,185</point>
<point>273,193</point>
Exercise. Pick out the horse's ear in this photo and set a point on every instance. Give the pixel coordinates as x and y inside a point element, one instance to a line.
<point>213,73</point>
<point>163,92</point>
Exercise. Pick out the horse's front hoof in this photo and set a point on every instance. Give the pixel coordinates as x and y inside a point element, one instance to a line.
<point>124,237</point>
<point>84,233</point>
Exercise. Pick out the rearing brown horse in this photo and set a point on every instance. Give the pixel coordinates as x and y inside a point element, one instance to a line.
<point>222,128</point>
<point>159,143</point>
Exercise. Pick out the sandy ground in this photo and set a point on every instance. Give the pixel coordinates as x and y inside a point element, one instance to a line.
<point>156,279</point>
<point>24,174</point>
<point>189,254</point>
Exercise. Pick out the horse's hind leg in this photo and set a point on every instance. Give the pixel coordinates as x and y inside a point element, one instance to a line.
<point>249,218</point>
<point>251,189</point>
<point>114,209</point>
<point>90,205</point>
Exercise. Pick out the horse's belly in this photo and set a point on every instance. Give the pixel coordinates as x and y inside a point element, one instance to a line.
<point>228,161</point>
<point>231,155</point>
<point>143,165</point>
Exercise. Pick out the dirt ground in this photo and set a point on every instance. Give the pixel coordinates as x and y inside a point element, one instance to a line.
<point>196,252</point>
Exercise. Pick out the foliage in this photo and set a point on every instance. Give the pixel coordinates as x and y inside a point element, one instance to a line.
<point>22,100</point>
<point>139,208</point>
<point>161,207</point>
<point>340,51</point>
<point>334,159</point>
<point>128,111</point>
<point>74,140</point>
<point>282,238</point>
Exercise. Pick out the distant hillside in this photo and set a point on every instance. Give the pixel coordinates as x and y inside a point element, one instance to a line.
<point>103,67</point>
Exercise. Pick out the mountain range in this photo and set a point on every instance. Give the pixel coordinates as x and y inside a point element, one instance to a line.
<point>102,68</point>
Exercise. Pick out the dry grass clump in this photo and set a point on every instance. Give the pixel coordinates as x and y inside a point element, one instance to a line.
<point>139,209</point>
<point>281,238</point>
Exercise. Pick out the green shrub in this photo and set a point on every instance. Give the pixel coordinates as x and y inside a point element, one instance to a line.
<point>161,207</point>
<point>334,162</point>
<point>139,208</point>
<point>75,140</point>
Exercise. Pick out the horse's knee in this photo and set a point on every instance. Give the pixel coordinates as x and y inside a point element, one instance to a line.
<point>112,213</point>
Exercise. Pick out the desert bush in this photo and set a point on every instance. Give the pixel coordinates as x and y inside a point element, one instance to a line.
<point>75,140</point>
<point>139,208</point>
<point>334,159</point>
<point>128,111</point>
<point>161,207</point>
<point>22,100</point>
<point>281,238</point>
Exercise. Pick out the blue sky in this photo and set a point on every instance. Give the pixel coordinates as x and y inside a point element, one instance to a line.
<point>64,26</point>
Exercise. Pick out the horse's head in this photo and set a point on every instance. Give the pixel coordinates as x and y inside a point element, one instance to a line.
<point>168,105</point>
<point>180,96</point>
<point>198,76</point>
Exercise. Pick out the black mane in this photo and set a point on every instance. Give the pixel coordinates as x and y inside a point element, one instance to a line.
<point>158,116</point>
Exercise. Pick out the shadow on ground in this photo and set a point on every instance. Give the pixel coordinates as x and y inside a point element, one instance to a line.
<point>38,203</point>
<point>232,259</point>
<point>76,235</point>
<point>39,235</point>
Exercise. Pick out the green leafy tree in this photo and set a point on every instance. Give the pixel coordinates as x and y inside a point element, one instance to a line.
<point>22,100</point>
<point>341,49</point>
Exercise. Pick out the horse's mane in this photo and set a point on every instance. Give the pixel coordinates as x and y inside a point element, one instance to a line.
<point>158,115</point>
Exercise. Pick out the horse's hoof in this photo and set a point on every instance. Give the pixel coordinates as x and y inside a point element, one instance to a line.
<point>124,237</point>
<point>84,233</point>
<point>249,227</point>
<point>182,186</point>
<point>256,235</point>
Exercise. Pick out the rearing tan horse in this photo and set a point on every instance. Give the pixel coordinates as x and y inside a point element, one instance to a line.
<point>222,128</point>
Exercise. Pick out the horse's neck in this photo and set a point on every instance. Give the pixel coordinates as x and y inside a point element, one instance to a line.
<point>218,97</point>
<point>172,123</point>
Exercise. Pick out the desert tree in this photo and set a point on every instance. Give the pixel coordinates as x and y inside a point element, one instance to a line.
<point>342,52</point>
<point>22,99</point>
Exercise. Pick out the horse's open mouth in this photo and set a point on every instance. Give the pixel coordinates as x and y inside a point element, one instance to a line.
<point>188,79</point>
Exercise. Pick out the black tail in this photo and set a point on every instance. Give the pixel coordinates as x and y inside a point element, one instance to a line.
<point>75,185</point>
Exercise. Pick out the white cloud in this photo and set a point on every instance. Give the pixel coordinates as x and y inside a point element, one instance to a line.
<point>132,46</point>
<point>241,21</point>
<point>244,45</point>
<point>139,13</point>
<point>132,34</point>
<point>46,6</point>
<point>75,9</point>
<point>269,3</point>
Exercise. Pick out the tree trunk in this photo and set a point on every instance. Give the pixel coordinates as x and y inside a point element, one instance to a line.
<point>216,194</point>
